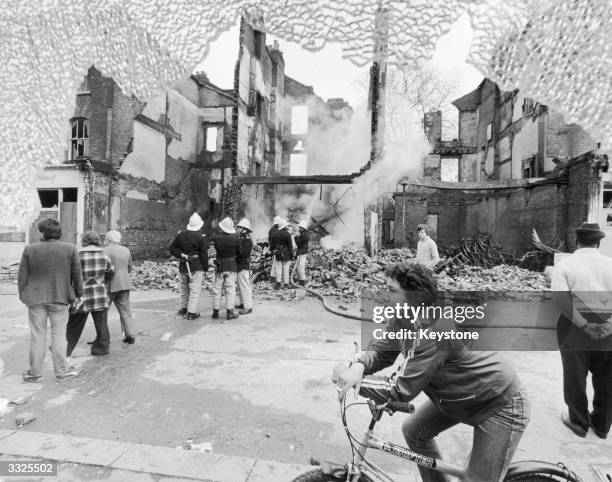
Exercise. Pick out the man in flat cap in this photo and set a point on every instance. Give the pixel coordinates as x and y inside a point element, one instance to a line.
<point>582,286</point>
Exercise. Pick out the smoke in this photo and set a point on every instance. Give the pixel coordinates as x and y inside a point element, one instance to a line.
<point>402,157</point>
<point>342,146</point>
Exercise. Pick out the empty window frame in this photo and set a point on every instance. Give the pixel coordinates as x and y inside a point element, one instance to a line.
<point>299,119</point>
<point>607,199</point>
<point>49,198</point>
<point>79,137</point>
<point>69,195</point>
<point>211,137</point>
<point>449,169</point>
<point>258,41</point>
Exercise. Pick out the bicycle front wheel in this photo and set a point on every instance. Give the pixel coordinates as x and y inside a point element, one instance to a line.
<point>536,478</point>
<point>317,475</point>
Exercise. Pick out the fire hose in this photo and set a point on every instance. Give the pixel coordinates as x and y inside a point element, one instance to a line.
<point>315,293</point>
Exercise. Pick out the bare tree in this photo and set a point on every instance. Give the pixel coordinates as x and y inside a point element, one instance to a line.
<point>413,93</point>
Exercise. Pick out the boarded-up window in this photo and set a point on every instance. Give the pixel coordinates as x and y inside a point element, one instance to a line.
<point>79,137</point>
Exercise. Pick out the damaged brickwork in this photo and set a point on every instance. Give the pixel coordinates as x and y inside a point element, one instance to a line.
<point>554,207</point>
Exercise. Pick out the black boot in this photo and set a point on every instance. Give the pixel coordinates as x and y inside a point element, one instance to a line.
<point>215,315</point>
<point>277,286</point>
<point>302,282</point>
<point>193,316</point>
<point>239,307</point>
<point>231,315</point>
<point>182,312</point>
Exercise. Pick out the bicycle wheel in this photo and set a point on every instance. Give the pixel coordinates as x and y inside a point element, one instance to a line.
<point>536,478</point>
<point>317,475</point>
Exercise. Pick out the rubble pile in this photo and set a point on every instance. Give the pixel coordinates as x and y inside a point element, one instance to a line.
<point>501,278</point>
<point>350,273</point>
<point>150,275</point>
<point>347,273</point>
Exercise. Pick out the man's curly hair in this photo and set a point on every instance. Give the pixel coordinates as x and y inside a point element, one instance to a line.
<point>415,279</point>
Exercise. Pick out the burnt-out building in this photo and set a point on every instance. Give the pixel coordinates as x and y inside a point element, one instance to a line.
<point>502,136</point>
<point>517,166</point>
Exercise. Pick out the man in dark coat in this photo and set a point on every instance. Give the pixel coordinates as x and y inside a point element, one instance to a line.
<point>301,242</point>
<point>191,248</point>
<point>245,290</point>
<point>50,278</point>
<point>281,246</point>
<point>273,229</point>
<point>227,245</point>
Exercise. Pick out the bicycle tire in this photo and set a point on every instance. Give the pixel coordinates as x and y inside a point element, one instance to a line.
<point>536,478</point>
<point>317,475</point>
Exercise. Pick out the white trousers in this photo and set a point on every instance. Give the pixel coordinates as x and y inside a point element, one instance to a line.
<point>245,290</point>
<point>225,284</point>
<point>301,266</point>
<point>281,271</point>
<point>190,290</point>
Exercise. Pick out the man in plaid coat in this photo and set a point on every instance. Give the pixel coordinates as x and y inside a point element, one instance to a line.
<point>96,268</point>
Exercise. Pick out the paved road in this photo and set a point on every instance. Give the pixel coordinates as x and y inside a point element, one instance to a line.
<point>256,387</point>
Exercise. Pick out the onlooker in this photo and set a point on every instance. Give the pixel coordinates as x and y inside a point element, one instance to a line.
<point>273,229</point>
<point>121,282</point>
<point>302,241</point>
<point>49,277</point>
<point>584,335</point>
<point>97,268</point>
<point>192,250</point>
<point>281,246</point>
<point>427,249</point>
<point>245,290</point>
<point>227,245</point>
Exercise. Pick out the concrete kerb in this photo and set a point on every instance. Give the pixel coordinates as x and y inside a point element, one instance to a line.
<point>162,461</point>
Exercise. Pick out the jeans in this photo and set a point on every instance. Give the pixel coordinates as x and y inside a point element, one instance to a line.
<point>58,315</point>
<point>76,323</point>
<point>494,441</point>
<point>301,266</point>
<point>245,290</point>
<point>121,299</point>
<point>225,283</point>
<point>191,287</point>
<point>281,271</point>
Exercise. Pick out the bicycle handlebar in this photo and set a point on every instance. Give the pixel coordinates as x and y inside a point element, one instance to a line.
<point>405,407</point>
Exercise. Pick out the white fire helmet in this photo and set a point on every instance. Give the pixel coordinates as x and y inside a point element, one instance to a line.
<point>244,223</point>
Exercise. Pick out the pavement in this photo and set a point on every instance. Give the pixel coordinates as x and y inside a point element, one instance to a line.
<point>256,390</point>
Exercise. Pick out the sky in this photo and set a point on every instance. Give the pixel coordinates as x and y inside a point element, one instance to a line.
<point>333,76</point>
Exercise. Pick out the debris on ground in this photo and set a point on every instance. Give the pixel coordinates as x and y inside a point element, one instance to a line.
<point>201,447</point>
<point>478,250</point>
<point>502,278</point>
<point>23,418</point>
<point>347,274</point>
<point>166,336</point>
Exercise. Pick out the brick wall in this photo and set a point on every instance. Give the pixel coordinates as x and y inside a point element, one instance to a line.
<point>509,214</point>
<point>124,110</point>
<point>94,106</point>
<point>580,175</point>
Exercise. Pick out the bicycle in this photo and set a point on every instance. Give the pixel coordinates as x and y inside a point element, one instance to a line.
<point>359,469</point>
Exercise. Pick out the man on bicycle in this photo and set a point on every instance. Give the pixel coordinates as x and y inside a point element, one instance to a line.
<point>480,389</point>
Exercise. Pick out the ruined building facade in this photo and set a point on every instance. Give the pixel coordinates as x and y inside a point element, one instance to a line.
<point>517,166</point>
<point>502,136</point>
<point>145,167</point>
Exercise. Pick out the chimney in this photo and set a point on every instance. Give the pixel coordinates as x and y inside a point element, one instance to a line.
<point>432,123</point>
